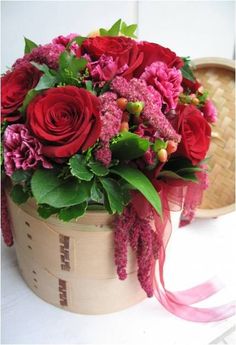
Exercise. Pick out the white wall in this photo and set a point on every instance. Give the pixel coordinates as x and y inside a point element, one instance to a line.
<point>195,28</point>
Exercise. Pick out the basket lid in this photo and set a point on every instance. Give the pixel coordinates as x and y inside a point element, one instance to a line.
<point>217,76</point>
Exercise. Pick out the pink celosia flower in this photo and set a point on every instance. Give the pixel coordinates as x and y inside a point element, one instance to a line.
<point>22,150</point>
<point>167,81</point>
<point>138,90</point>
<point>111,116</point>
<point>103,154</point>
<point>209,111</point>
<point>64,40</point>
<point>47,54</point>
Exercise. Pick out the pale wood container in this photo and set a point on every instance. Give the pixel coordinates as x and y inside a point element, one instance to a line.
<point>71,265</point>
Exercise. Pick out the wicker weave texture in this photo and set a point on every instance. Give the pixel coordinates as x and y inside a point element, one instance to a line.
<point>220,83</point>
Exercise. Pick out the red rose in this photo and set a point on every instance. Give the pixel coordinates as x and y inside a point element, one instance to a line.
<point>14,87</point>
<point>124,51</point>
<point>195,132</point>
<point>153,52</point>
<point>65,120</point>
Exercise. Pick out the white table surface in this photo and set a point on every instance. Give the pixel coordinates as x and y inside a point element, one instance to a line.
<point>194,254</point>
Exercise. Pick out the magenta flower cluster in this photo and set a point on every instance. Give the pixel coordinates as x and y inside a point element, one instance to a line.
<point>22,150</point>
<point>138,90</point>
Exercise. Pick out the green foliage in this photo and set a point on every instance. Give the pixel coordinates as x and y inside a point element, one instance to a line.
<point>78,39</point>
<point>29,45</point>
<point>72,212</point>
<point>159,144</point>
<point>21,175</point>
<point>98,168</point>
<point>186,69</point>
<point>47,80</point>
<point>18,194</point>
<point>96,192</point>
<point>79,169</point>
<point>184,176</point>
<point>45,211</point>
<point>28,98</point>
<point>47,188</point>
<point>202,97</point>
<point>114,194</point>
<point>129,146</point>
<point>128,30</point>
<point>120,27</point>
<point>138,180</point>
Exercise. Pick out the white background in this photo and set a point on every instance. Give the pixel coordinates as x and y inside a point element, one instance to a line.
<point>205,248</point>
<point>194,28</point>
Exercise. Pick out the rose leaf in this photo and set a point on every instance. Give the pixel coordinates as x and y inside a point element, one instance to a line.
<point>72,212</point>
<point>79,169</point>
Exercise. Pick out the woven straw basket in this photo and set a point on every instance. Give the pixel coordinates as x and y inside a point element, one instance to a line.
<point>217,76</point>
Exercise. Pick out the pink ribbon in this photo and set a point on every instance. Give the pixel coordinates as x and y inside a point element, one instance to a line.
<point>180,303</point>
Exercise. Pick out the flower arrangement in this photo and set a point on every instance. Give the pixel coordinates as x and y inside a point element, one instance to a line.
<point>107,122</point>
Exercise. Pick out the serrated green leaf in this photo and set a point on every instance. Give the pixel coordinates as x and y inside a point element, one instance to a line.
<point>47,80</point>
<point>45,211</point>
<point>21,175</point>
<point>98,168</point>
<point>188,170</point>
<point>18,195</point>
<point>47,188</point>
<point>79,169</point>
<point>96,193</point>
<point>186,70</point>
<point>113,193</point>
<point>72,212</point>
<point>29,45</point>
<point>129,146</point>
<point>137,179</point>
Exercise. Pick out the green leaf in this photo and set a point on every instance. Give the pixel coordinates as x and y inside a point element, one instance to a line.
<point>45,211</point>
<point>103,32</point>
<point>172,174</point>
<point>129,146</point>
<point>115,29</point>
<point>137,179</point>
<point>128,30</point>
<point>79,40</point>
<point>47,188</point>
<point>186,70</point>
<point>159,144</point>
<point>21,176</point>
<point>72,212</point>
<point>98,168</point>
<point>188,170</point>
<point>113,193</point>
<point>29,45</point>
<point>70,63</point>
<point>96,193</point>
<point>47,80</point>
<point>28,98</point>
<point>79,169</point>
<point>18,195</point>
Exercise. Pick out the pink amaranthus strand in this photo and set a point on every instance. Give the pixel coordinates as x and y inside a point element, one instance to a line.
<point>5,220</point>
<point>111,116</point>
<point>138,90</point>
<point>47,54</point>
<point>103,154</point>
<point>137,232</point>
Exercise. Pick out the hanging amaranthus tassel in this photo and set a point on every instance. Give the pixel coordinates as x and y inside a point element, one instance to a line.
<point>5,220</point>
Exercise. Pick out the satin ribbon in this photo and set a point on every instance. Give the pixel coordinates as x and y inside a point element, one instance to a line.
<point>180,303</point>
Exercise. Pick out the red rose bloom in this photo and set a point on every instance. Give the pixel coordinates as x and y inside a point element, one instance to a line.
<point>192,86</point>
<point>153,52</point>
<point>14,87</point>
<point>65,120</point>
<point>124,51</point>
<point>195,132</point>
